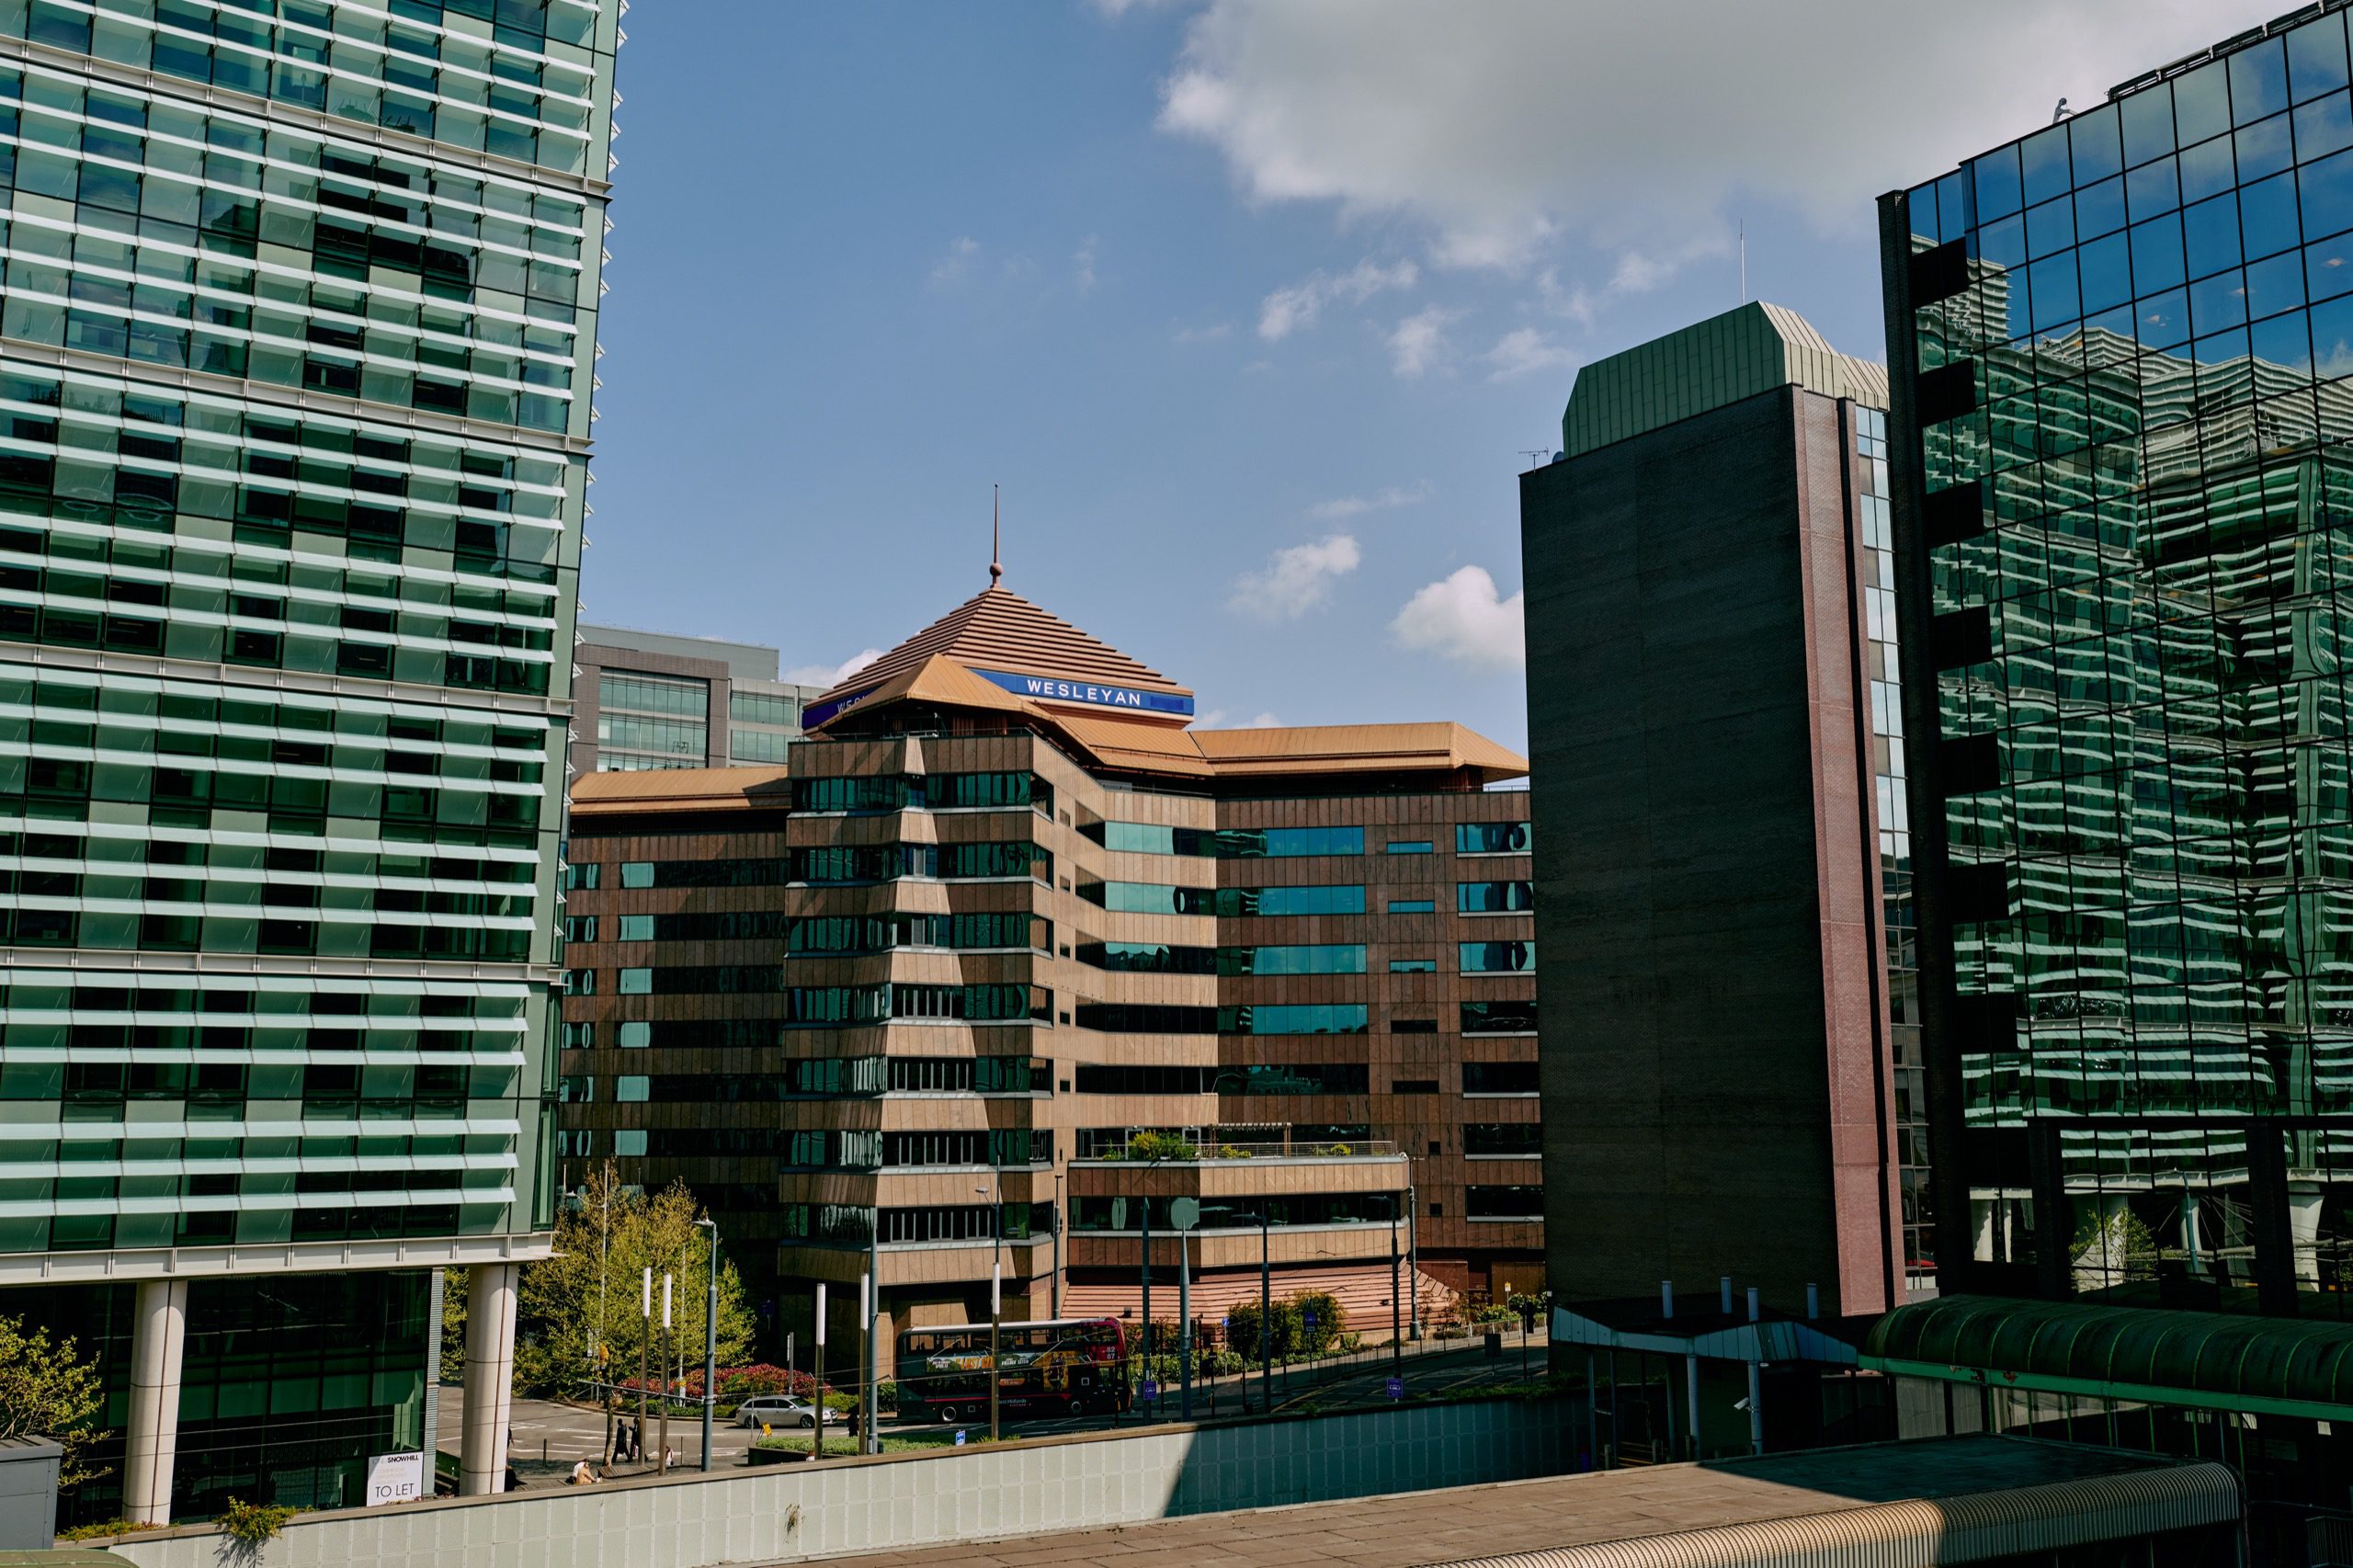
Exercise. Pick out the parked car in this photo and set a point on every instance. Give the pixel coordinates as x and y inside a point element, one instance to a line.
<point>781,1410</point>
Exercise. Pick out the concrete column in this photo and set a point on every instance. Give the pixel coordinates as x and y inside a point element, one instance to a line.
<point>1980,1224</point>
<point>490,1378</point>
<point>2193,1241</point>
<point>151,1440</point>
<point>2304,1232</point>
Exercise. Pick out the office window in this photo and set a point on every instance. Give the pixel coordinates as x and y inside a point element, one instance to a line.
<point>1512,1137</point>
<point>628,1141</point>
<point>1504,1202</point>
<point>1504,1016</point>
<point>636,873</point>
<point>1338,958</point>
<point>632,1090</point>
<point>636,927</point>
<point>1499,1078</point>
<point>1413,906</point>
<point>762,708</point>
<point>1278,843</point>
<point>1493,898</point>
<point>633,1036</point>
<point>1410,847</point>
<point>1416,1086</point>
<point>1412,966</point>
<point>1495,957</point>
<point>1413,1026</point>
<point>1490,838</point>
<point>636,983</point>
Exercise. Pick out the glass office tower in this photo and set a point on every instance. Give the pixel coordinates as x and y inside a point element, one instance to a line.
<point>2135,509</point>
<point>296,346</point>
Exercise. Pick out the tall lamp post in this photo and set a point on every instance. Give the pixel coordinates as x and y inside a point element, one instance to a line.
<point>710,1335</point>
<point>996,1288</point>
<point>1414,1260</point>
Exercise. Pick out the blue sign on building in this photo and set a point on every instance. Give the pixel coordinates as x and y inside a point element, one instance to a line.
<point>1058,689</point>
<point>817,714</point>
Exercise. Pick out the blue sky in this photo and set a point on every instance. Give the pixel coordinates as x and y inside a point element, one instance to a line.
<point>1253,310</point>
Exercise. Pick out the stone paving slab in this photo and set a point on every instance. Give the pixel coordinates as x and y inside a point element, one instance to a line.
<point>1411,1530</point>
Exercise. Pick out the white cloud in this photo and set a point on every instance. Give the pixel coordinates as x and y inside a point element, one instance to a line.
<point>1381,501</point>
<point>1296,579</point>
<point>1632,125</point>
<point>1216,716</point>
<point>1083,265</point>
<point>1524,351</point>
<point>1212,333</point>
<point>829,675</point>
<point>1420,340</point>
<point>959,256</point>
<point>1287,309</point>
<point>1463,617</point>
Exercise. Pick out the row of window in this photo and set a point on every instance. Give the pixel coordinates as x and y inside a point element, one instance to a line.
<point>185,797</point>
<point>1278,843</point>
<point>831,863</point>
<point>829,934</point>
<point>241,724</point>
<point>1340,957</point>
<point>77,1082</point>
<point>909,792</point>
<point>252,1225</point>
<point>1159,898</point>
<point>362,937</point>
<point>487,103</point>
<point>288,1001</point>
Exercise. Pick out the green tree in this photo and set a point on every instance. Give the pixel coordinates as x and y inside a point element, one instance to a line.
<point>453,1325</point>
<point>580,1325</point>
<point>47,1390</point>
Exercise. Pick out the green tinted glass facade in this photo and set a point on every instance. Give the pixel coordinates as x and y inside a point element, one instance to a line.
<point>2121,476</point>
<point>297,324</point>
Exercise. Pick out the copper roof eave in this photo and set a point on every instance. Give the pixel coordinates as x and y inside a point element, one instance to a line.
<point>997,628</point>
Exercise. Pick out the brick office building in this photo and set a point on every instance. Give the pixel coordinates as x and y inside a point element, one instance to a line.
<point>1001,911</point>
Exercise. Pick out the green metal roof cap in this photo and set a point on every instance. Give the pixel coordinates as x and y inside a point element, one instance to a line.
<point>1708,366</point>
<point>2227,1356</point>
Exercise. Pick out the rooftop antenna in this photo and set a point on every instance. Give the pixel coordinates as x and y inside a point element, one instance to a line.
<point>1744,261</point>
<point>1535,455</point>
<point>2059,113</point>
<point>996,569</point>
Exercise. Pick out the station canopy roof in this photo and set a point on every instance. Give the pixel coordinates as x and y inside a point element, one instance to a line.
<point>2218,1360</point>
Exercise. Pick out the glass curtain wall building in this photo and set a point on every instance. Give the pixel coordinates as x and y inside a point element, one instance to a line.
<point>295,348</point>
<point>2124,510</point>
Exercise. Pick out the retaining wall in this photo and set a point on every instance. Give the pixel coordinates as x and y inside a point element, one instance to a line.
<point>790,1512</point>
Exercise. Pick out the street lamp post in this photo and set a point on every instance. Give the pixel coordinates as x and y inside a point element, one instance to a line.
<point>710,1335</point>
<point>1413,1261</point>
<point>1266,1318</point>
<point>996,1288</point>
<point>645,1344</point>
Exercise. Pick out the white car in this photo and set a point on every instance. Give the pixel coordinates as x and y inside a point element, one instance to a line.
<point>781,1410</point>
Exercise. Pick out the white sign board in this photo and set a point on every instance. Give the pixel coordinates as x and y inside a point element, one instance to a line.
<point>396,1478</point>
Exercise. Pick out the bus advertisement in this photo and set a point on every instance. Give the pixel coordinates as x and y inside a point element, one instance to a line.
<point>1058,1366</point>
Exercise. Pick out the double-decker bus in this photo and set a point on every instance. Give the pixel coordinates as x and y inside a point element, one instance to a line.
<point>1058,1367</point>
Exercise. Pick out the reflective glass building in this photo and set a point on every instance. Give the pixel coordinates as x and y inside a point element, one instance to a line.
<point>296,344</point>
<point>2124,518</point>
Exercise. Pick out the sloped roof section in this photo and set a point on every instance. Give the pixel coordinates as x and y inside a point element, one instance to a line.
<point>998,629</point>
<point>1710,365</point>
<point>1345,748</point>
<point>679,789</point>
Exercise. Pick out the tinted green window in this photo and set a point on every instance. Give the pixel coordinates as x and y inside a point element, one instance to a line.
<point>1489,898</point>
<point>1339,1017</point>
<point>761,708</point>
<point>1338,959</point>
<point>1413,906</point>
<point>636,927</point>
<point>1490,838</point>
<point>1498,958</point>
<point>636,983</point>
<point>1278,843</point>
<point>1315,898</point>
<point>1410,847</point>
<point>635,1035</point>
<point>636,873</point>
<point>1147,898</point>
<point>1412,966</point>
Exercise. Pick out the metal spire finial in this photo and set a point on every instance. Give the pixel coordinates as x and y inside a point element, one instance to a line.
<point>997,568</point>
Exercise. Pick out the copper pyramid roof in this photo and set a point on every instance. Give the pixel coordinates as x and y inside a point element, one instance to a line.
<point>998,629</point>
